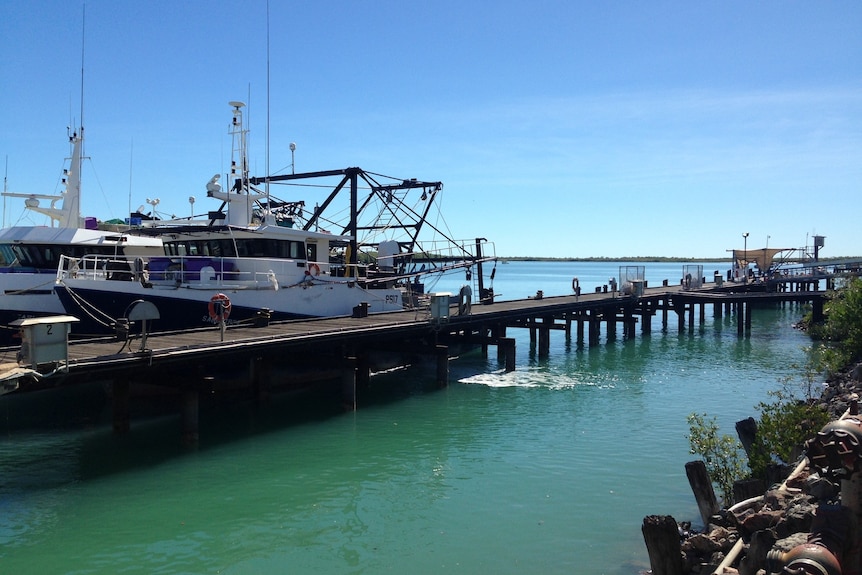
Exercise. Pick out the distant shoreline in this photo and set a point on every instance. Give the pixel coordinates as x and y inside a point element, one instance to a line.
<point>647,259</point>
<point>653,259</point>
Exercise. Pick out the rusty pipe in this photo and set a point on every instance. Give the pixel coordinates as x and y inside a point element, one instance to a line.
<point>804,559</point>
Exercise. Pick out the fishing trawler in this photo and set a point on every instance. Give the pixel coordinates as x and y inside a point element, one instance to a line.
<point>30,254</point>
<point>260,257</point>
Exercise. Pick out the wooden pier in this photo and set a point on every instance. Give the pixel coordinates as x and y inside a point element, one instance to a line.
<point>255,361</point>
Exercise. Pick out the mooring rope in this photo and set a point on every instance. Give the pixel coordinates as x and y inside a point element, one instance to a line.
<point>87,306</point>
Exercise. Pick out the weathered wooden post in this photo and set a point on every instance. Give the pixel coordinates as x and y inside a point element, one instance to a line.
<point>120,405</point>
<point>363,371</point>
<point>190,417</point>
<point>442,366</point>
<point>580,327</point>
<point>611,321</point>
<point>595,328</point>
<point>748,318</point>
<point>348,384</point>
<point>506,345</point>
<point>545,337</point>
<point>646,318</point>
<point>746,431</point>
<point>817,309</point>
<point>661,535</point>
<point>258,378</point>
<point>628,322</point>
<point>702,488</point>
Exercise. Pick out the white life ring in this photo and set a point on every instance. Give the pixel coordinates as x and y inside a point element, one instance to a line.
<point>465,297</point>
<point>313,270</point>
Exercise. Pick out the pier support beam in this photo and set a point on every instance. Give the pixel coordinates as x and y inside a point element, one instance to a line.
<point>120,405</point>
<point>506,352</point>
<point>646,318</point>
<point>363,371</point>
<point>258,376</point>
<point>611,323</point>
<point>348,384</point>
<point>190,417</point>
<point>545,337</point>
<point>442,366</point>
<point>595,329</point>
<point>817,310</point>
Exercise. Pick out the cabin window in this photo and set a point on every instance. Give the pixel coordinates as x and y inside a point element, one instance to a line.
<point>296,249</point>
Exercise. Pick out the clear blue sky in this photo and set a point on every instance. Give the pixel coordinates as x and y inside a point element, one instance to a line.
<point>559,128</point>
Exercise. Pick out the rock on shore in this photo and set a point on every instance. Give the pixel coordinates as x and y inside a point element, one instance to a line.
<point>805,508</point>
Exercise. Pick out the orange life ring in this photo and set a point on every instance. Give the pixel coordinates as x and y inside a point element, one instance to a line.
<point>224,307</point>
<point>313,269</point>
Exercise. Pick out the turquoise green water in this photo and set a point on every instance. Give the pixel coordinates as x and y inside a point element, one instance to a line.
<point>549,469</point>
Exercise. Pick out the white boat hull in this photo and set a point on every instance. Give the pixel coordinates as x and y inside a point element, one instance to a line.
<point>99,303</point>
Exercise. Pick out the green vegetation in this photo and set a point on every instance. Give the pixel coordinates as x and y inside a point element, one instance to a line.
<point>721,454</point>
<point>794,415</point>
<point>786,423</point>
<point>841,333</point>
<point>782,429</point>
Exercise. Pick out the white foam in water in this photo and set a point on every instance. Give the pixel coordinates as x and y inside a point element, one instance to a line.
<point>534,378</point>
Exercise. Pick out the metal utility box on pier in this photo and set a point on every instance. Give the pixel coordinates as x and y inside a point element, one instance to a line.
<point>440,306</point>
<point>44,339</point>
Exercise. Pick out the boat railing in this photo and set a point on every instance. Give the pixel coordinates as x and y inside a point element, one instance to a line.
<point>226,271</point>
<point>98,267</point>
<point>206,271</point>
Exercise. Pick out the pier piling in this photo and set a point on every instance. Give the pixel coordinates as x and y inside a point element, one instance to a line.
<point>120,405</point>
<point>442,366</point>
<point>661,535</point>
<point>190,417</point>
<point>507,348</point>
<point>348,384</point>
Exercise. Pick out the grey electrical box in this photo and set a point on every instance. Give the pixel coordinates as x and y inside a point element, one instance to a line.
<point>44,339</point>
<point>440,306</point>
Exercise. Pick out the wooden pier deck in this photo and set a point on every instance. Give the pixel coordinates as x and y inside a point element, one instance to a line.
<point>255,360</point>
<point>107,355</point>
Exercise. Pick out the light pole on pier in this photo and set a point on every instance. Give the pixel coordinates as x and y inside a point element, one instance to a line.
<point>745,255</point>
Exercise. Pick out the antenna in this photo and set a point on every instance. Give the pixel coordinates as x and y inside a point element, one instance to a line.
<point>83,36</point>
<point>5,179</point>
<point>131,157</point>
<point>266,183</point>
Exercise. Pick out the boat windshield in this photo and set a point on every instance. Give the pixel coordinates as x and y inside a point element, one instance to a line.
<point>245,247</point>
<point>47,256</point>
